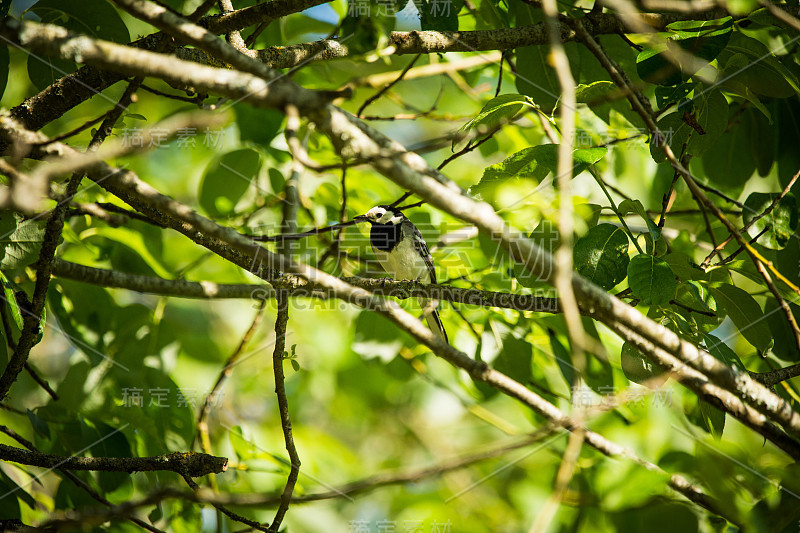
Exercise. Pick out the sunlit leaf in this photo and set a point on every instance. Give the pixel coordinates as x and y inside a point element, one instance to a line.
<point>651,280</point>
<point>602,255</point>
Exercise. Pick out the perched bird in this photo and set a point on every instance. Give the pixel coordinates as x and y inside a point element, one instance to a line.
<point>403,254</point>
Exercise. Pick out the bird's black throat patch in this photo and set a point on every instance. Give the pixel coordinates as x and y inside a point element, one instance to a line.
<point>385,237</point>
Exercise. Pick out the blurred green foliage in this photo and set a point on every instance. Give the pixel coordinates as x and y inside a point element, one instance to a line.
<point>132,370</point>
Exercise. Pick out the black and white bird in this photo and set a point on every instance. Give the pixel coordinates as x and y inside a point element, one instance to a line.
<point>403,254</point>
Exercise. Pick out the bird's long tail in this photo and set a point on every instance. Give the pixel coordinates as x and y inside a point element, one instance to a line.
<point>432,317</point>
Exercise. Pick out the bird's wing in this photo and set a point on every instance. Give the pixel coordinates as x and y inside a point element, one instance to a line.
<point>422,249</point>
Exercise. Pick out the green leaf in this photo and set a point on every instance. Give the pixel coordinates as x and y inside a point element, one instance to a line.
<point>546,237</point>
<point>710,111</point>
<point>670,95</point>
<point>785,344</point>
<point>521,165</point>
<point>713,418</point>
<point>676,133</point>
<point>602,255</point>
<point>743,310</point>
<point>38,425</point>
<point>763,141</point>
<point>156,514</point>
<point>227,179</point>
<point>534,163</point>
<point>366,32</point>
<point>499,110</point>
<point>535,75</point>
<point>9,294</point>
<point>276,179</point>
<point>599,375</point>
<point>92,17</point>
<point>729,163</point>
<point>635,206</point>
<point>737,88</point>
<point>787,139</point>
<point>694,295</point>
<point>256,124</point>
<point>702,39</point>
<point>563,358</point>
<point>436,15</point>
<point>596,95</point>
<point>711,114</point>
<point>748,61</point>
<point>107,441</point>
<point>780,224</point>
<point>639,369</point>
<point>651,280</point>
<point>9,499</point>
<point>515,359</point>
<point>722,352</point>
<point>20,240</point>
<point>137,246</point>
<point>96,18</point>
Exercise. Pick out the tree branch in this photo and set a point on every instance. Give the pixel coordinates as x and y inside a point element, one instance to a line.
<point>283,407</point>
<point>186,463</point>
<point>298,287</point>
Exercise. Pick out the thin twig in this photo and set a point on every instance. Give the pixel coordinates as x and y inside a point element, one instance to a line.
<point>666,201</point>
<point>77,130</point>
<point>387,86</point>
<point>303,235</point>
<point>732,256</point>
<point>224,510</point>
<point>198,99</point>
<point>283,406</point>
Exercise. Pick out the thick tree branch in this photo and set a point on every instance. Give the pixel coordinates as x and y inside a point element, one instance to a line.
<point>776,376</point>
<point>186,463</point>
<point>430,42</point>
<point>153,285</point>
<point>299,287</point>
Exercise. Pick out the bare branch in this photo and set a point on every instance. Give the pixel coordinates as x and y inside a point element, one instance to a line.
<point>188,463</point>
<point>283,407</point>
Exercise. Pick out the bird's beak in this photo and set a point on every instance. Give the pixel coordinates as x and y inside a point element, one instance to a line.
<point>360,218</point>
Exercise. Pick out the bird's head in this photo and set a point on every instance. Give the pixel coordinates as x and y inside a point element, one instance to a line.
<point>382,214</point>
